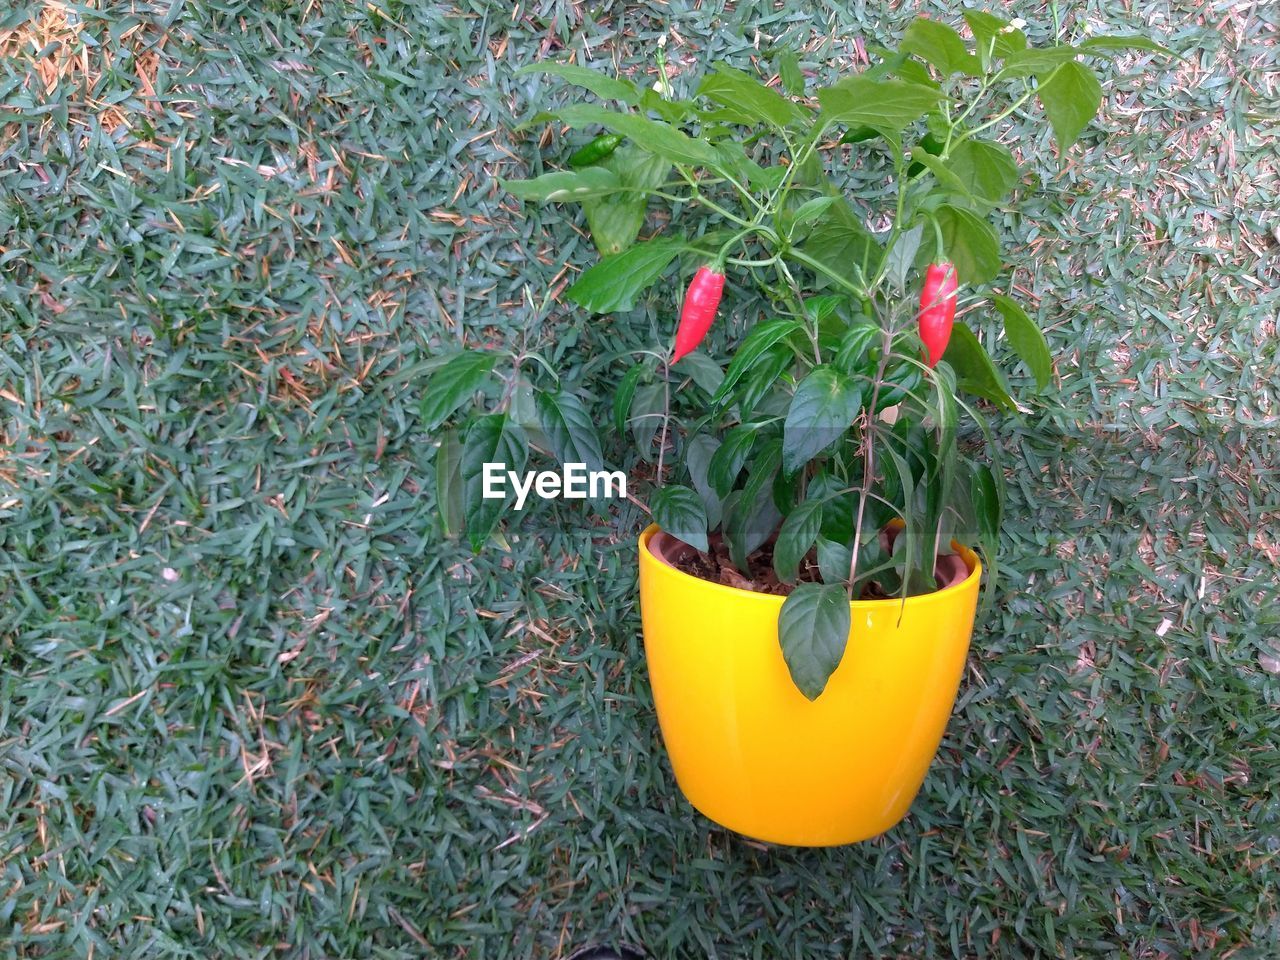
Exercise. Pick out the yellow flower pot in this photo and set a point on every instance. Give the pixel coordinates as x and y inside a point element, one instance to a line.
<point>751,753</point>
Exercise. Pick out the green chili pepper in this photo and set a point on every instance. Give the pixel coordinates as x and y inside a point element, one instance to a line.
<point>596,150</point>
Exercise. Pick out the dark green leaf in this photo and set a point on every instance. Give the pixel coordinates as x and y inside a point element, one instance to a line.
<point>940,45</point>
<point>698,459</point>
<point>759,341</point>
<point>974,370</point>
<point>648,408</point>
<point>970,243</point>
<point>704,371</point>
<point>796,538</point>
<point>451,385</point>
<point>615,282</point>
<point>764,378</point>
<point>987,505</point>
<point>490,439</point>
<point>834,560</point>
<point>449,483</point>
<point>623,396</point>
<point>1026,339</point>
<point>754,516</point>
<point>813,629</point>
<point>679,511</point>
<point>1071,97</point>
<point>821,308</point>
<point>822,409</point>
<point>731,457</point>
<point>855,347</point>
<point>570,429</point>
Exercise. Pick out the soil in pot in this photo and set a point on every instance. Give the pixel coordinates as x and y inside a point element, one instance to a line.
<point>716,566</point>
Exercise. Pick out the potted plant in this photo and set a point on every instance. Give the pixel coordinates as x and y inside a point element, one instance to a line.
<point>822,514</point>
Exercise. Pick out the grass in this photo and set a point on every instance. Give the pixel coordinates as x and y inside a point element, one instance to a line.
<point>253,705</point>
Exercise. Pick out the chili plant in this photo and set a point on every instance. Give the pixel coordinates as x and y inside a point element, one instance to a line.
<point>837,415</point>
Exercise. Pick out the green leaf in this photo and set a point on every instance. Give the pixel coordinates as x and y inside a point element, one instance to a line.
<point>974,370</point>
<point>948,181</point>
<point>764,378</point>
<point>883,104</point>
<point>970,243</point>
<point>796,538</point>
<point>1111,43</point>
<point>819,309</point>
<point>813,629</point>
<point>656,136</point>
<point>1071,97</point>
<point>987,170</point>
<point>842,244</point>
<point>991,34</point>
<point>940,45</point>
<point>623,396</point>
<point>565,185</point>
<point>900,257</point>
<point>790,74</point>
<point>834,560</point>
<point>449,484</point>
<point>698,459</point>
<point>1026,339</point>
<point>760,340</point>
<point>616,220</point>
<point>1034,61</point>
<point>809,211</point>
<point>679,511</point>
<point>731,457</point>
<point>854,355</point>
<point>986,502</point>
<point>648,408</point>
<point>745,94</point>
<point>704,371</point>
<point>753,517</point>
<point>615,282</point>
<point>606,87</point>
<point>822,409</point>
<point>570,429</point>
<point>490,439</point>
<point>451,385</point>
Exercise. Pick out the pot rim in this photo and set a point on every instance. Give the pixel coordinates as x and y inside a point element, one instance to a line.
<point>773,600</point>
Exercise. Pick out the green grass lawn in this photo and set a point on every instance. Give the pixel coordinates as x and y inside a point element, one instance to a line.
<point>253,704</point>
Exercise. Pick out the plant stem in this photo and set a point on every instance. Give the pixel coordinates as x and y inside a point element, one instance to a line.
<point>996,119</point>
<point>868,458</point>
<point>666,416</point>
<point>710,204</point>
<point>794,294</point>
<point>826,271</point>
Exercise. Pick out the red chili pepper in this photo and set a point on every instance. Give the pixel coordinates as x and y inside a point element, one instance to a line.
<point>699,312</point>
<point>937,310</point>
